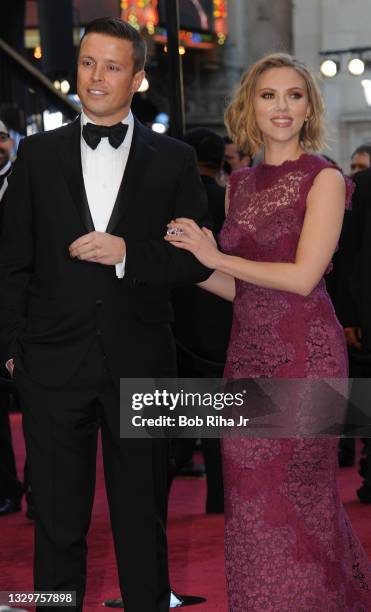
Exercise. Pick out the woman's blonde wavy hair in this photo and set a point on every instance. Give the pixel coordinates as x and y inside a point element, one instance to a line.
<point>240,115</point>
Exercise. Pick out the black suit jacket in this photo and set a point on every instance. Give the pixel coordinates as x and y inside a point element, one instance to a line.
<point>52,306</point>
<point>353,270</point>
<point>202,320</point>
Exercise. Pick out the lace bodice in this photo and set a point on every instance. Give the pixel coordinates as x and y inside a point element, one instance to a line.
<point>277,333</point>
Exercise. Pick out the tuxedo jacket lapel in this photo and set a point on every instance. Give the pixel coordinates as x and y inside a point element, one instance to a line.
<point>140,151</point>
<point>70,154</point>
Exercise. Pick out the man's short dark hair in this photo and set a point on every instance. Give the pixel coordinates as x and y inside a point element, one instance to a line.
<point>229,141</point>
<point>208,145</point>
<point>365,148</point>
<point>112,26</point>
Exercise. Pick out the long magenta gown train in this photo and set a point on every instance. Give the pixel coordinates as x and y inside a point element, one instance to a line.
<point>289,544</point>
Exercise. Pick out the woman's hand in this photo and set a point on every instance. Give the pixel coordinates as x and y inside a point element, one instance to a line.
<point>185,234</point>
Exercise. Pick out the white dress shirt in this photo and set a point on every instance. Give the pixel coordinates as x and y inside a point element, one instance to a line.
<point>4,171</point>
<point>103,169</point>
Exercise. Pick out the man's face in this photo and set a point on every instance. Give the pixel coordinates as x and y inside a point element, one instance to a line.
<point>233,158</point>
<point>6,148</point>
<point>106,81</point>
<point>359,161</point>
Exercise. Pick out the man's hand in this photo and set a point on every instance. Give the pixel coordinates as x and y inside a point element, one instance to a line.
<point>10,366</point>
<point>99,247</point>
<point>353,337</point>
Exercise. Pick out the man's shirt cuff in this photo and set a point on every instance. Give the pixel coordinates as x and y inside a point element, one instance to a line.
<point>120,268</point>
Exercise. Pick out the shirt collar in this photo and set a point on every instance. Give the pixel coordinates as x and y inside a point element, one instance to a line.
<point>129,120</point>
<point>6,168</point>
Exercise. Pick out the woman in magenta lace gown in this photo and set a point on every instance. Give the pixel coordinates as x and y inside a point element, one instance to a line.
<point>289,544</point>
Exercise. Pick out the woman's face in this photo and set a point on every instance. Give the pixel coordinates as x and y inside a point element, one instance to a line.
<point>281,104</point>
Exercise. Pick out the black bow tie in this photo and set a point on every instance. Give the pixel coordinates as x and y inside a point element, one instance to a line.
<point>93,133</point>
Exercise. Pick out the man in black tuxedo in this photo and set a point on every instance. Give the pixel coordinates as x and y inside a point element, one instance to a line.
<point>85,278</point>
<point>357,303</point>
<point>358,306</point>
<point>202,339</point>
<point>353,307</point>
<point>11,489</point>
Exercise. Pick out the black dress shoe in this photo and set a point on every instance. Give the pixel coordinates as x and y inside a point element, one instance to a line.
<point>364,494</point>
<point>10,505</point>
<point>176,601</point>
<point>189,600</point>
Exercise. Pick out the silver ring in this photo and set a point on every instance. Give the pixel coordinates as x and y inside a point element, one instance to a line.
<point>174,231</point>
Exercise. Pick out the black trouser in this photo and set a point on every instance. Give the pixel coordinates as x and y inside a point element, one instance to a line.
<point>181,451</point>
<point>360,396</point>
<point>214,474</point>
<point>10,487</point>
<point>61,428</point>
<point>361,370</point>
<point>192,366</point>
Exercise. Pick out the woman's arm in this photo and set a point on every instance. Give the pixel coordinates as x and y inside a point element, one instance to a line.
<point>220,284</point>
<point>317,243</point>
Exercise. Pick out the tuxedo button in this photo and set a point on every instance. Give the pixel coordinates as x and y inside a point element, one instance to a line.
<point>99,302</point>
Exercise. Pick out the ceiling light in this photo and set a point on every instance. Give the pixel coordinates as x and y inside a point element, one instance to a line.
<point>356,66</point>
<point>65,87</point>
<point>160,128</point>
<point>329,68</point>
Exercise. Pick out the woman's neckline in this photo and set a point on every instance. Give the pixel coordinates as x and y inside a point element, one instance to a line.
<point>285,163</point>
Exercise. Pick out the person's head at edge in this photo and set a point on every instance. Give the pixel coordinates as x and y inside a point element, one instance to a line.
<point>277,102</point>
<point>233,157</point>
<point>6,145</point>
<point>360,159</point>
<point>209,148</point>
<point>111,61</point>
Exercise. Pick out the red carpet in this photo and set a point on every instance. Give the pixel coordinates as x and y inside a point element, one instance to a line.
<point>195,541</point>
